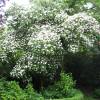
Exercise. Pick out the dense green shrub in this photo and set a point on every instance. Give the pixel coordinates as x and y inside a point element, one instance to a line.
<point>12,91</point>
<point>63,88</point>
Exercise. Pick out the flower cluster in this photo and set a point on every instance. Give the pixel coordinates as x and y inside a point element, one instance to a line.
<point>80,28</point>
<point>82,23</point>
<point>42,35</point>
<point>44,54</point>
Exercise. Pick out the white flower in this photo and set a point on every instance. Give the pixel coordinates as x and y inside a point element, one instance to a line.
<point>88,5</point>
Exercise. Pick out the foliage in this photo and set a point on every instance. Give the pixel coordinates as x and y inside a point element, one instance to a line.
<point>63,88</point>
<point>78,96</point>
<point>96,93</point>
<point>84,67</point>
<point>36,38</point>
<point>35,48</point>
<point>43,56</point>
<point>66,83</point>
<point>79,32</point>
<point>12,91</point>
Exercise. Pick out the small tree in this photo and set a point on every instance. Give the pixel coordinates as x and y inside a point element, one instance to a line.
<point>32,43</point>
<point>36,37</point>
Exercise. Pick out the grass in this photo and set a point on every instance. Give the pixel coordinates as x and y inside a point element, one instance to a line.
<point>78,96</point>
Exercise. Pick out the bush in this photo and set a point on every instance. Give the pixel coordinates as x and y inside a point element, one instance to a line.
<point>37,37</point>
<point>30,31</point>
<point>63,88</point>
<point>33,42</point>
<point>12,91</point>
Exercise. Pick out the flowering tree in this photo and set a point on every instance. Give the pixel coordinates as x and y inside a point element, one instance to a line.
<point>35,46</point>
<point>2,5</point>
<point>80,31</point>
<point>43,55</point>
<point>37,37</point>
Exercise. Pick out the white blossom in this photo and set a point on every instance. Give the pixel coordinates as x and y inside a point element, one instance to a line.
<point>88,5</point>
<point>43,43</point>
<point>82,22</point>
<point>80,26</point>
